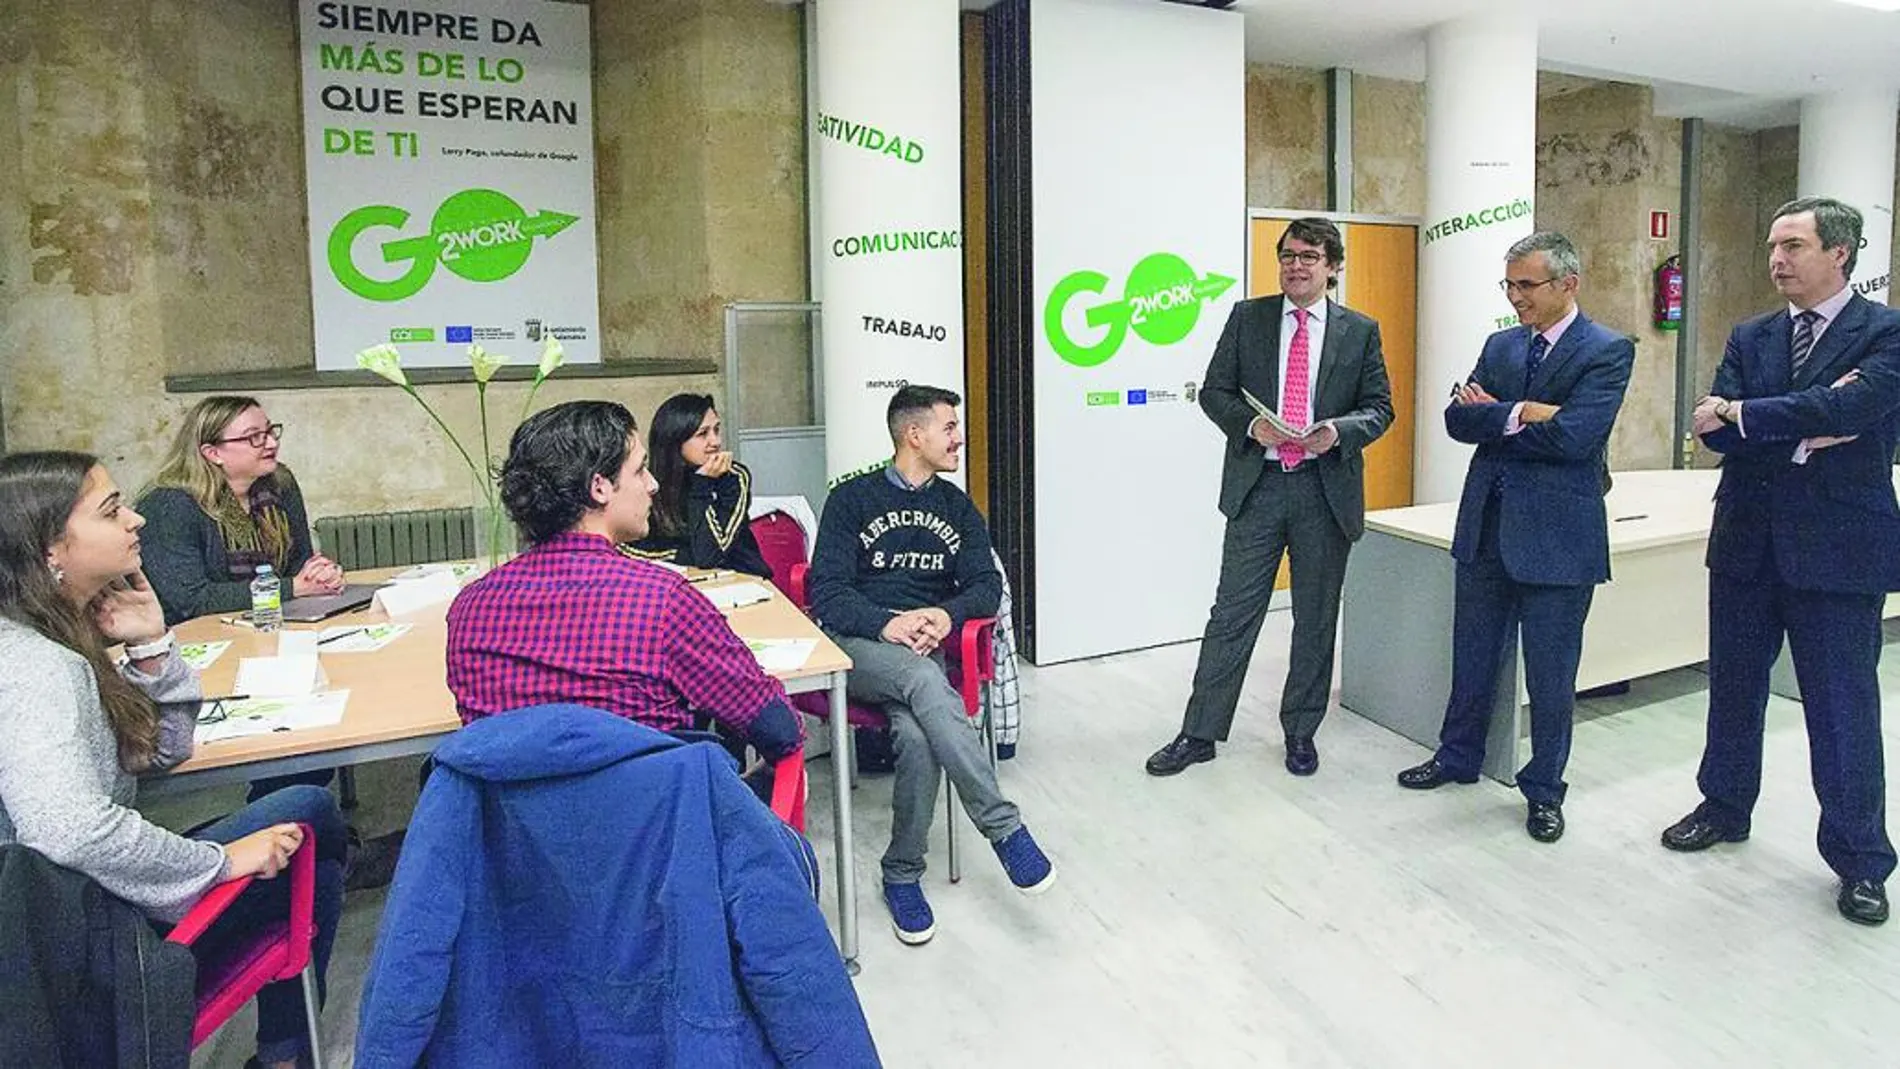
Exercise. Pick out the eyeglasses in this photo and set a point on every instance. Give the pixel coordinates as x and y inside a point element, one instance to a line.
<point>1511,285</point>
<point>255,439</point>
<point>1304,256</point>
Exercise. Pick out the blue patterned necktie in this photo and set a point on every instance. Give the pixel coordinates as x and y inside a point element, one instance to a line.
<point>1539,346</point>
<point>1804,339</point>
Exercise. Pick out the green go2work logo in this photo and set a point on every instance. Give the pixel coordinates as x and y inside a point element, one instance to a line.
<point>479,234</point>
<point>1161,302</point>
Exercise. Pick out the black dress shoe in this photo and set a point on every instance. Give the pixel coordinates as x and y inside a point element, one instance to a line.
<point>1177,755</point>
<point>1430,776</point>
<point>1302,757</point>
<point>1697,832</point>
<point>1863,902</point>
<point>1545,821</point>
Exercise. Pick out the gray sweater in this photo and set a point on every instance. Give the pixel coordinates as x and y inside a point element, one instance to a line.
<point>62,792</point>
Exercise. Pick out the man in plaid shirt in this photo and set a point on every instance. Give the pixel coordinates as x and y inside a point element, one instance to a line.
<point>573,620</point>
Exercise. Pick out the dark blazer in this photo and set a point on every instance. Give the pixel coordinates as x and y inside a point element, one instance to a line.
<point>1835,523</point>
<point>1350,389</point>
<point>1548,478</point>
<point>718,530</point>
<point>186,560</point>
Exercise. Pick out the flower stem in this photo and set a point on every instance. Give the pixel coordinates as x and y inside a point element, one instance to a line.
<point>487,489</point>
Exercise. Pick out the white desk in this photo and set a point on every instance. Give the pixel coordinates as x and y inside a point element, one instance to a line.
<point>1652,616</point>
<point>1395,655</point>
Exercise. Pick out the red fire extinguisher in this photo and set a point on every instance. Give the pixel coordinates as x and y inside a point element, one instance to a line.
<point>1669,286</point>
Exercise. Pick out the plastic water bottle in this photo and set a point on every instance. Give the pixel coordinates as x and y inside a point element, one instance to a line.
<point>267,600</point>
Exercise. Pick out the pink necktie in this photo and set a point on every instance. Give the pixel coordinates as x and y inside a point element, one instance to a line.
<point>1293,399</point>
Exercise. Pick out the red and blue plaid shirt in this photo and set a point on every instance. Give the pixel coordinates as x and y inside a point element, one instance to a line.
<point>572,620</point>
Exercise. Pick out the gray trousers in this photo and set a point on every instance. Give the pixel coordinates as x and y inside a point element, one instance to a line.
<point>1286,513</point>
<point>932,736</point>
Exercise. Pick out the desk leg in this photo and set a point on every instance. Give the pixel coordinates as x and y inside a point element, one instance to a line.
<point>841,776</point>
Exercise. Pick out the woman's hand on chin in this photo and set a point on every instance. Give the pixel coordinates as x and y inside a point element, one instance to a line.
<point>127,611</point>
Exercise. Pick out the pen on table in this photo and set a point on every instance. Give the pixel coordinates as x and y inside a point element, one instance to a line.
<point>235,621</point>
<point>707,576</point>
<point>342,635</point>
<point>214,700</point>
<point>1638,516</point>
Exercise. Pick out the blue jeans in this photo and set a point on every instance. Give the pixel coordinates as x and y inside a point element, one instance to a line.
<point>282,1029</point>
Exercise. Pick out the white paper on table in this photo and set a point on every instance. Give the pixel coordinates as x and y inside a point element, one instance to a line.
<point>460,569</point>
<point>402,599</point>
<point>782,654</point>
<point>261,716</point>
<point>279,677</point>
<point>202,655</point>
<point>296,644</point>
<point>361,638</point>
<point>736,596</point>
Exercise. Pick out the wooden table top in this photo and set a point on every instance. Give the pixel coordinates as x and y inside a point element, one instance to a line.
<point>401,691</point>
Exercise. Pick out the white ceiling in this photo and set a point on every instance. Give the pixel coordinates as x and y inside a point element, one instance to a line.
<point>1743,62</point>
<point>1746,62</point>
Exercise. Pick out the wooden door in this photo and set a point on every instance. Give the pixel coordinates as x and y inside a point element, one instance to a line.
<point>1380,280</point>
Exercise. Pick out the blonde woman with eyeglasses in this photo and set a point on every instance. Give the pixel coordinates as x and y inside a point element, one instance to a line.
<point>220,506</point>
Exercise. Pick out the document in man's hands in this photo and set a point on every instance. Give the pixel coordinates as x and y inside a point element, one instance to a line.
<point>1273,418</point>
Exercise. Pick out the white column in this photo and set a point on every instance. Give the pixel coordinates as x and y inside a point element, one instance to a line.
<point>1480,180</point>
<point>889,235</point>
<point>1847,152</point>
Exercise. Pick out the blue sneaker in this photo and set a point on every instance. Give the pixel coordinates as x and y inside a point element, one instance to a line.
<point>1028,867</point>
<point>911,918</point>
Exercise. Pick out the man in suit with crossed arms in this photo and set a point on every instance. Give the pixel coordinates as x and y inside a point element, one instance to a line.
<point>1532,539</point>
<point>1319,367</point>
<point>1805,411</point>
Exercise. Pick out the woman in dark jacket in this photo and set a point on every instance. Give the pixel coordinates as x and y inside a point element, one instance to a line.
<point>700,513</point>
<point>221,506</point>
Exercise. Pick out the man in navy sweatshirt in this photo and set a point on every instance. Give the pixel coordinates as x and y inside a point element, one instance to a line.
<point>902,560</point>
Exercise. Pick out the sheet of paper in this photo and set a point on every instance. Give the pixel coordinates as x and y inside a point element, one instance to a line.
<point>1273,418</point>
<point>297,643</point>
<point>460,569</point>
<point>360,638</point>
<point>403,599</point>
<point>202,655</point>
<point>782,654</point>
<point>258,716</point>
<point>735,596</point>
<point>278,677</point>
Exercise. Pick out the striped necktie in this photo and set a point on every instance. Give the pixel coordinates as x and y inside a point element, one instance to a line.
<point>1804,339</point>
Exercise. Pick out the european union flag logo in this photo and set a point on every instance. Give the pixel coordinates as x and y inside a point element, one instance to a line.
<point>1138,397</point>
<point>463,335</point>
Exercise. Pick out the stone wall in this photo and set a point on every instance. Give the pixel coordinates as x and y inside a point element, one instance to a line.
<point>1286,137</point>
<point>152,213</point>
<point>1604,162</point>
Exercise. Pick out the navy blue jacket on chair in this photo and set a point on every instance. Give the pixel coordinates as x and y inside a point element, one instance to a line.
<point>1834,521</point>
<point>1547,478</point>
<point>580,890</point>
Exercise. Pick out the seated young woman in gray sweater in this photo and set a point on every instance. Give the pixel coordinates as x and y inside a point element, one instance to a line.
<point>221,505</point>
<point>76,730</point>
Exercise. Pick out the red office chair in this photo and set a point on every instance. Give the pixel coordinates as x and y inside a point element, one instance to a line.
<point>782,544</point>
<point>788,789</point>
<point>971,663</point>
<point>279,952</point>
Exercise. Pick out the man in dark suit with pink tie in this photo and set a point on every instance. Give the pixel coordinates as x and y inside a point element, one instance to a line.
<point>1805,411</point>
<point>1532,539</point>
<point>1318,367</point>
